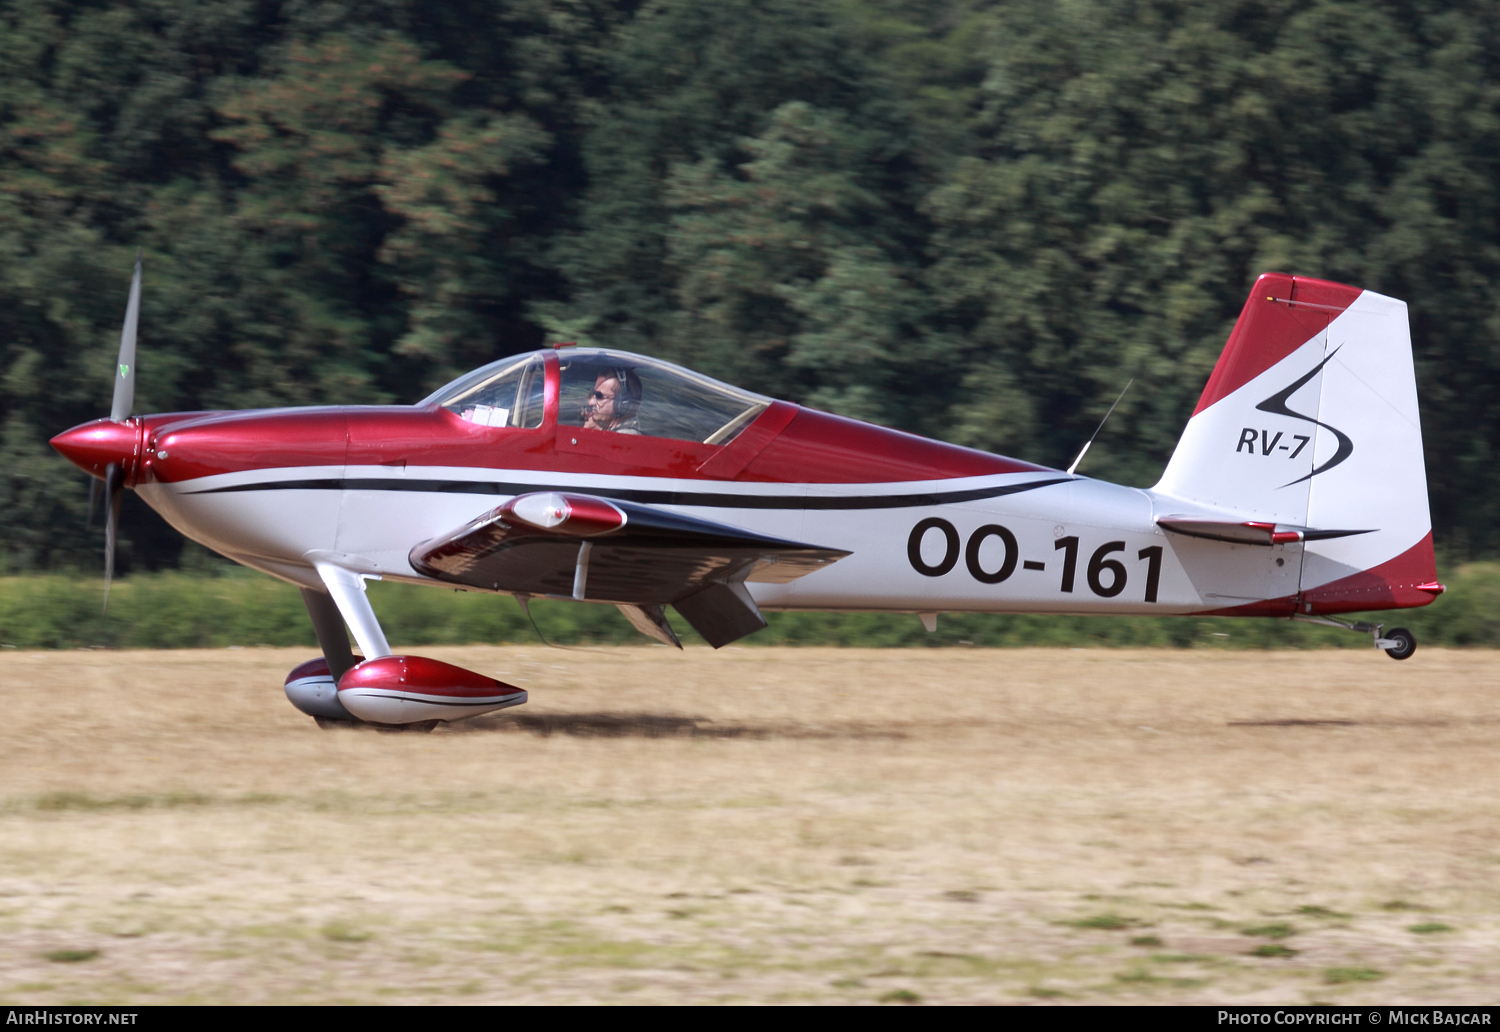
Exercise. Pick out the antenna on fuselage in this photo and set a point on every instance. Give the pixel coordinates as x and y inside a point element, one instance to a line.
<point>1090,441</point>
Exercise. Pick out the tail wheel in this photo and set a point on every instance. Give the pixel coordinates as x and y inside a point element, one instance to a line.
<point>1406,643</point>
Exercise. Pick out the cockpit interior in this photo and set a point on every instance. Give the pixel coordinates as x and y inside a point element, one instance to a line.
<point>601,389</point>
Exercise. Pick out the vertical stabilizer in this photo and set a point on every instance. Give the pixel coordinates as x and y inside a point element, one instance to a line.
<point>1310,421</point>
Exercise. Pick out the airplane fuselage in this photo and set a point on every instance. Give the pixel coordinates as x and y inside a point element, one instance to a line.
<point>1021,539</point>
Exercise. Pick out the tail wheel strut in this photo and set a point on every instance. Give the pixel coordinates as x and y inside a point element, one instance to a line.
<point>1398,643</point>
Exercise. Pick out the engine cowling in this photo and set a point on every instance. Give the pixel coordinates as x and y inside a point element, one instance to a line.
<point>409,689</point>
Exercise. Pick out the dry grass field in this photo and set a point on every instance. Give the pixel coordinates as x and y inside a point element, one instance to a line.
<point>760,825</point>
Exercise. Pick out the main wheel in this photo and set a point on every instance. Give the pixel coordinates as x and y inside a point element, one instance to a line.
<point>1406,643</point>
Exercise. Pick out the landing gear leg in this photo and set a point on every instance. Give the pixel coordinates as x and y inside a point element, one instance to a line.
<point>333,639</point>
<point>328,625</point>
<point>1398,642</point>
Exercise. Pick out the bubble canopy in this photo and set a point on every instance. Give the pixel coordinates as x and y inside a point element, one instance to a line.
<point>602,389</point>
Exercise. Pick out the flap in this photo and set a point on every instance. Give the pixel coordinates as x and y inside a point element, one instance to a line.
<point>605,550</point>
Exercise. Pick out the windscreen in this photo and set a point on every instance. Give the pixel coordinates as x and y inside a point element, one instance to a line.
<point>510,392</point>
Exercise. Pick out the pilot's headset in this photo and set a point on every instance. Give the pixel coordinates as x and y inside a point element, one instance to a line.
<point>628,397</point>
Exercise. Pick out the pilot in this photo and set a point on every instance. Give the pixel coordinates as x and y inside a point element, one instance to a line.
<point>614,403</point>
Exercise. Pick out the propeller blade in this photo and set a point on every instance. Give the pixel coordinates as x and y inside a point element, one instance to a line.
<point>124,399</point>
<point>114,488</point>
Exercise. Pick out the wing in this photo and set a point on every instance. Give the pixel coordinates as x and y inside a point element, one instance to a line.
<point>601,550</point>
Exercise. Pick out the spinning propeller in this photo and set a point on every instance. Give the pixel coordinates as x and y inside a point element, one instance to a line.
<point>119,412</point>
<point>108,448</point>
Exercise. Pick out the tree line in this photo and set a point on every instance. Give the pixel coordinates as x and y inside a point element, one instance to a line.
<point>972,219</point>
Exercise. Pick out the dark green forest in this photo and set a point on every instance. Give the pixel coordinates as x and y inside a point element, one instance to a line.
<point>972,219</point>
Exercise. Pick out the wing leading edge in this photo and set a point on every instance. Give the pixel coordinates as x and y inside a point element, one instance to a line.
<point>636,556</point>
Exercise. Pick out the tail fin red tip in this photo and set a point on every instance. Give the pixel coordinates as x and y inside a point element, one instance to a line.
<point>1281,314</point>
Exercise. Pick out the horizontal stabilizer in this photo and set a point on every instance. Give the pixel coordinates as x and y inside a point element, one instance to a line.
<point>1248,532</point>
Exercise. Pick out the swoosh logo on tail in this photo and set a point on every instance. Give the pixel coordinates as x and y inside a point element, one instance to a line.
<point>1276,404</point>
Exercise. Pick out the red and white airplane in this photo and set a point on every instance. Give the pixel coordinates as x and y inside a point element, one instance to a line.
<point>1297,490</point>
